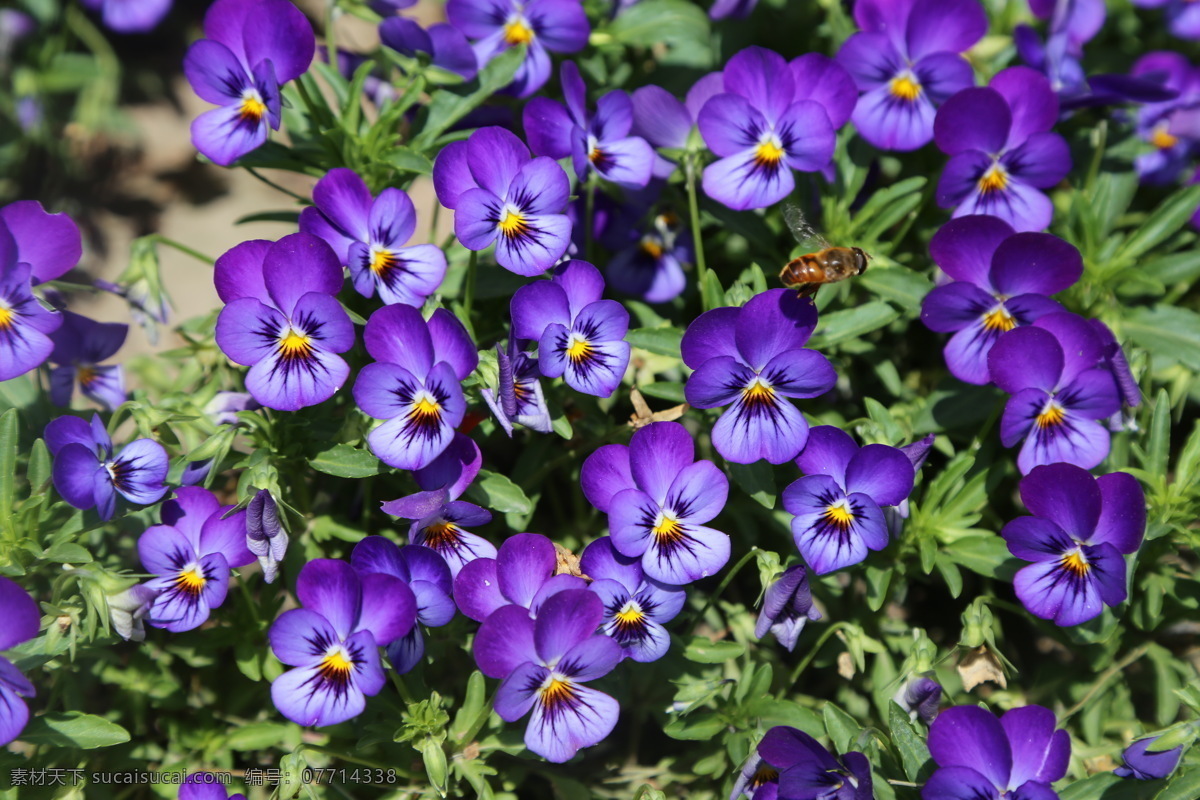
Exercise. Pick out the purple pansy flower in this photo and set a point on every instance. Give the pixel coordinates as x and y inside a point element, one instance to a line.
<point>206,786</point>
<point>808,770</point>
<point>635,606</point>
<point>1060,386</point>
<point>130,16</point>
<point>920,697</point>
<point>652,267</point>
<point>368,235</point>
<point>333,641</point>
<point>544,664</point>
<point>737,9</point>
<point>761,131</point>
<point>1171,126</point>
<point>521,574</point>
<point>1079,532</point>
<point>907,62</point>
<point>127,611</point>
<point>756,779</point>
<point>415,383</point>
<point>754,358</point>
<point>500,195</point>
<point>580,336</point>
<point>1127,386</point>
<point>545,26</point>
<point>518,398</point>
<point>1183,16</point>
<point>787,608</point>
<point>426,574</point>
<point>192,553</point>
<point>438,515</point>
<point>87,473</point>
<point>658,497</point>
<point>598,141</point>
<point>1142,762</point>
<point>446,46</point>
<point>80,344</point>
<point>838,504</point>
<point>282,319</point>
<point>1002,151</point>
<point>251,48</point>
<point>979,756</point>
<point>265,537</point>
<point>34,247</point>
<point>1001,280</point>
<point>21,622</point>
<point>665,122</point>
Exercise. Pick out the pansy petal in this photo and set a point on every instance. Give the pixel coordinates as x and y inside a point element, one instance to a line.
<point>452,344</point>
<point>277,31</point>
<point>741,182</point>
<point>21,619</point>
<point>964,247</point>
<point>606,473</point>
<point>139,470</point>
<point>74,468</point>
<point>592,658</point>
<point>494,156</point>
<point>537,249</point>
<point>774,430</point>
<point>299,264</point>
<point>1122,520</point>
<point>969,736</point>
<point>944,25</point>
<point>1035,539</point>
<point>602,562</point>
<point>660,118</point>
<point>540,187</point>
<point>882,473</point>
<point>504,641</point>
<point>49,243</point>
<point>763,78</point>
<point>517,694</point>
<point>773,322</point>
<point>238,272</point>
<point>343,198</point>
<point>296,636</point>
<point>224,135</point>
<point>1024,358</point>
<point>974,119</point>
<point>698,492</point>
<point>332,589</point>
<point>290,384</point>
<point>1040,753</point>
<point>398,334</point>
<point>214,72</point>
<point>657,454</point>
<point>957,783</point>
<point>451,174</point>
<point>800,373</point>
<point>1035,263</point>
<point>477,589</point>
<point>1032,100</point>
<point>955,306</point>
<point>695,553</point>
<point>565,620</point>
<point>389,608</point>
<point>587,718</point>
<point>525,562</point>
<point>894,123</point>
<point>828,452</point>
<point>711,335</point>
<point>820,78</point>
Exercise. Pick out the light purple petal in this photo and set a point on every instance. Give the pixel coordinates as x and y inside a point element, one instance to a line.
<point>399,335</point>
<point>49,243</point>
<point>238,272</point>
<point>740,183</point>
<point>224,136</point>
<point>698,493</point>
<point>893,123</point>
<point>944,25</point>
<point>658,453</point>
<point>774,430</point>
<point>293,634</point>
<point>763,78</point>
<point>585,721</point>
<point>660,118</point>
<point>606,473</point>
<point>214,72</point>
<point>820,78</point>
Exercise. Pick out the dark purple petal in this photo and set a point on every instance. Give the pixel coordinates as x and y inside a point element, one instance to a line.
<point>964,248</point>
<point>820,78</point>
<point>277,31</point>
<point>505,641</point>
<point>969,736</point>
<point>763,78</point>
<point>1066,495</point>
<point>524,563</point>
<point>592,658</point>
<point>773,322</point>
<point>944,25</point>
<point>389,608</point>
<point>519,691</point>
<point>451,175</point>
<point>807,136</point>
<point>1042,160</point>
<point>1036,539</point>
<point>658,453</point>
<point>333,590</point>
<point>453,470</point>
<point>973,119</point>
<point>783,747</point>
<point>870,58</point>
<point>343,198</point>
<point>828,452</point>
<point>549,128</point>
<point>582,284</point>
<point>1031,99</point>
<point>660,118</point>
<point>1040,753</point>
<point>710,335</point>
<point>21,619</point>
<point>1075,588</point>
<point>399,335</point>
<point>49,243</point>
<point>1082,349</point>
<point>958,783</point>
<point>226,535</point>
<point>882,473</point>
<point>452,344</point>
<point>494,155</point>
<point>943,75</point>
<point>565,620</point>
<point>297,265</point>
<point>799,373</point>
<point>955,306</point>
<point>238,272</point>
<point>560,25</point>
<point>214,72</point>
<point>1122,521</point>
<point>1141,762</point>
<point>1024,358</point>
<point>477,589</point>
<point>1035,263</point>
<point>606,473</point>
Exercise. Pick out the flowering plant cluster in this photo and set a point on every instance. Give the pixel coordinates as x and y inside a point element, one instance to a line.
<point>501,465</point>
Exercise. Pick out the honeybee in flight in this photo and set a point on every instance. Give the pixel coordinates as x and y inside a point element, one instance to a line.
<point>828,265</point>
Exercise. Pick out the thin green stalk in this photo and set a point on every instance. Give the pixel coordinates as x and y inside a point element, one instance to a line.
<point>183,248</point>
<point>330,33</point>
<point>694,214</point>
<point>1108,675</point>
<point>433,219</point>
<point>812,653</point>
<point>275,185</point>
<point>469,285</point>
<point>250,602</point>
<point>480,719</point>
<point>729,576</point>
<point>398,682</point>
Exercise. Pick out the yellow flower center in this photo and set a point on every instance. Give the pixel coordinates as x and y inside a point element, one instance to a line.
<point>839,515</point>
<point>994,180</point>
<point>1076,563</point>
<point>513,224</point>
<point>556,691</point>
<point>382,261</point>
<point>1053,414</point>
<point>253,108</point>
<point>1162,138</point>
<point>652,248</point>
<point>295,345</point>
<point>86,374</point>
<point>667,530</point>
<point>758,393</point>
<point>998,319</point>
<point>517,32</point>
<point>336,665</point>
<point>629,617</point>
<point>580,350</point>
<point>441,535</point>
<point>6,318</point>
<point>764,774</point>
<point>768,153</point>
<point>905,87</point>
<point>190,580</point>
<point>426,408</point>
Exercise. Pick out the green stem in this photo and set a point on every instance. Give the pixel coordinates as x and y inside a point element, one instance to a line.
<point>589,247</point>
<point>101,95</point>
<point>398,682</point>
<point>330,33</point>
<point>694,214</point>
<point>812,653</point>
<point>275,185</point>
<point>729,576</point>
<point>250,602</point>
<point>1108,675</point>
<point>469,285</point>
<point>433,220</point>
<point>183,248</point>
<point>480,719</point>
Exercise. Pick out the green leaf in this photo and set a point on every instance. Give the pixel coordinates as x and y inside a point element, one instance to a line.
<point>914,754</point>
<point>345,461</point>
<point>39,466</point>
<point>1184,786</point>
<point>877,586</point>
<point>651,22</point>
<point>987,555</point>
<point>8,465</point>
<point>67,553</point>
<point>841,728</point>
<point>1104,784</point>
<point>664,390</point>
<point>695,727</point>
<point>447,108</point>
<point>261,736</point>
<point>73,729</point>
<point>756,480</point>
<point>648,792</point>
<point>406,159</point>
<point>1160,435</point>
<point>902,286</point>
<point>1170,333</point>
<point>851,323</point>
<point>1170,215</point>
<point>663,341</point>
<point>286,217</point>
<point>471,706</point>
<point>495,491</point>
<point>1181,267</point>
<point>703,651</point>
<point>710,291</point>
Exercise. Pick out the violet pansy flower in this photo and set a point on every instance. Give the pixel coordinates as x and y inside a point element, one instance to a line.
<point>806,769</point>
<point>265,537</point>
<point>1183,16</point>
<point>787,608</point>
<point>206,786</point>
<point>1001,280</point>
<point>368,234</point>
<point>1080,531</point>
<point>761,132</point>
<point>333,642</point>
<point>907,61</point>
<point>127,611</point>
<point>34,247</point>
<point>658,497</point>
<point>920,696</point>
<point>635,606</point>
<point>544,26</point>
<point>21,622</point>
<point>415,383</point>
<point>1060,387</point>
<point>191,552</point>
<point>1002,150</point>
<point>500,195</point>
<point>979,756</point>
<point>282,319</point>
<point>666,122</point>
<point>439,517</point>
<point>518,398</point>
<point>599,141</point>
<point>250,49</point>
<point>426,574</point>
<point>652,267</point>
<point>580,336</point>
<point>753,359</point>
<point>445,45</point>
<point>1142,761</point>
<point>837,505</point>
<point>130,16</point>
<point>88,473</point>
<point>735,9</point>
<point>545,664</point>
<point>522,574</point>
<point>1171,127</point>
<point>80,344</point>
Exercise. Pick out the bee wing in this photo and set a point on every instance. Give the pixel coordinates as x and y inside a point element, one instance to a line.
<point>805,234</point>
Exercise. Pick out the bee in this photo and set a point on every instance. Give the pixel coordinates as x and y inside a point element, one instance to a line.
<point>828,265</point>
